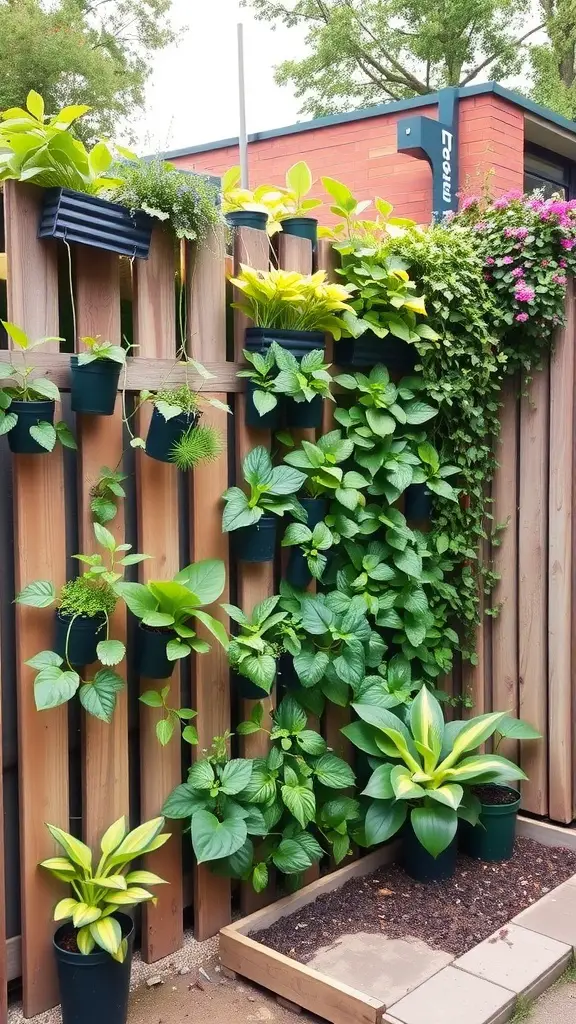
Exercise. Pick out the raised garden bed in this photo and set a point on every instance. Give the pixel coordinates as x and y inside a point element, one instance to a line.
<point>353,945</point>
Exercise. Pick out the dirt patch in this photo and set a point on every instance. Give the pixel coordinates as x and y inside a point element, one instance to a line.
<point>453,915</point>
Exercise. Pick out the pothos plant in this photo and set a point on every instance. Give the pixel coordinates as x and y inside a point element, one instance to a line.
<point>272,490</point>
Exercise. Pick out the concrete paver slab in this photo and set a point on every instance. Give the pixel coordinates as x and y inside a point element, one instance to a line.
<point>454,997</point>
<point>384,968</point>
<point>554,914</point>
<point>518,959</point>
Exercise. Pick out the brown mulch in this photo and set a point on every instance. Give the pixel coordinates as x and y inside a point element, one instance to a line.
<point>453,915</point>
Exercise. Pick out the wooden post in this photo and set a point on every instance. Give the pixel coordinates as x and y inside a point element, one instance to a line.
<point>158,531</point>
<point>211,677</point>
<point>105,762</point>
<point>39,553</point>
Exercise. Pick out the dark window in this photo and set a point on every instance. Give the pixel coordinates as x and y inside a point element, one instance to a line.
<point>547,172</point>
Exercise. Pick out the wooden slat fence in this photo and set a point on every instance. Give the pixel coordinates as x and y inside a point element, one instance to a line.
<point>525,654</point>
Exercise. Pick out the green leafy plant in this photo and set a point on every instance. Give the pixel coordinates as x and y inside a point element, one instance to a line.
<point>264,199</point>
<point>298,184</point>
<point>427,770</point>
<point>312,543</point>
<point>22,387</point>
<point>97,349</point>
<point>105,494</point>
<point>102,890</point>
<point>253,653</point>
<point>305,379</point>
<point>172,606</point>
<point>272,490</point>
<point>321,464</point>
<point>170,402</point>
<point>186,202</point>
<point>42,149</point>
<point>433,474</point>
<point>173,718</point>
<point>287,300</point>
<point>263,376</point>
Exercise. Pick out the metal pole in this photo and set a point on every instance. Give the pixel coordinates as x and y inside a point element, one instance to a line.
<point>243,140</point>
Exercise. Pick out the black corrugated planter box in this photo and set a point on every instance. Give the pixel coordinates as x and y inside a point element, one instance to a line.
<point>83,633</point>
<point>302,227</point>
<point>94,386</point>
<point>367,351</point>
<point>252,418</point>
<point>417,502</point>
<point>78,217</point>
<point>303,414</point>
<point>247,219</point>
<point>152,659</point>
<point>492,839</point>
<point>30,414</point>
<point>256,543</point>
<point>420,864</point>
<point>259,339</point>
<point>93,988</point>
<point>164,434</point>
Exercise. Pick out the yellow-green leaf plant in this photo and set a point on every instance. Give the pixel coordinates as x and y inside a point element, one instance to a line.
<point>287,300</point>
<point>428,770</point>
<point>100,891</point>
<point>266,199</point>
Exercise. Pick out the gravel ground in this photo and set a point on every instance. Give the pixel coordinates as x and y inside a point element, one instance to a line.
<point>453,915</point>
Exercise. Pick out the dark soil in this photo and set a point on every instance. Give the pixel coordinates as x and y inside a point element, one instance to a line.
<point>490,794</point>
<point>453,915</point>
<point>68,942</point>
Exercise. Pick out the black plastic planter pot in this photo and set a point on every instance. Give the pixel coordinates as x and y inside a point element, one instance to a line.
<point>246,689</point>
<point>493,838</point>
<point>94,386</point>
<point>417,502</point>
<point>76,639</point>
<point>302,227</point>
<point>316,509</point>
<point>247,219</point>
<point>77,217</point>
<point>94,988</point>
<point>256,543</point>
<point>303,414</point>
<point>287,677</point>
<point>164,434</point>
<point>252,418</point>
<point>400,357</point>
<point>297,571</point>
<point>152,660</point>
<point>29,414</point>
<point>420,864</point>
<point>259,339</point>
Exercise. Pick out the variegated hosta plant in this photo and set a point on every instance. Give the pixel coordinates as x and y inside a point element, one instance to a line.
<point>429,770</point>
<point>101,891</point>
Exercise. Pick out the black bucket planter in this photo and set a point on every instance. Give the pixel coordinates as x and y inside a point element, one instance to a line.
<point>29,414</point>
<point>256,543</point>
<point>259,339</point>
<point>78,217</point>
<point>246,689</point>
<point>303,414</point>
<point>94,386</point>
<point>297,572</point>
<point>287,677</point>
<point>420,864</point>
<point>399,357</point>
<point>152,659</point>
<point>84,634</point>
<point>492,839</point>
<point>94,988</point>
<point>164,434</point>
<point>247,219</point>
<point>302,227</point>
<point>417,502</point>
<point>270,421</point>
<point>316,509</point>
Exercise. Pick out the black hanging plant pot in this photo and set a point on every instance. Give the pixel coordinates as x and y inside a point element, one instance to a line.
<point>316,510</point>
<point>417,502</point>
<point>302,227</point>
<point>94,386</point>
<point>303,414</point>
<point>93,988</point>
<point>399,357</point>
<point>297,572</point>
<point>270,420</point>
<point>164,434</point>
<point>246,689</point>
<point>247,219</point>
<point>259,339</point>
<point>77,637</point>
<point>256,543</point>
<point>78,217</point>
<point>29,414</point>
<point>420,864</point>
<point>152,660</point>
<point>492,839</point>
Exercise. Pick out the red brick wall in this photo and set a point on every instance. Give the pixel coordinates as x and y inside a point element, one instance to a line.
<point>363,154</point>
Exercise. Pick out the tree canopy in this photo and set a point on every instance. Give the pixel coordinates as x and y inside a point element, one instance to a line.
<point>361,52</point>
<point>94,52</point>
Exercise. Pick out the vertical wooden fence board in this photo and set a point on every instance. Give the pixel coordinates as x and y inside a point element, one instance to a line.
<point>560,569</point>
<point>211,677</point>
<point>158,532</point>
<point>3,948</point>
<point>532,586</point>
<point>505,555</point>
<point>105,762</point>
<point>40,553</point>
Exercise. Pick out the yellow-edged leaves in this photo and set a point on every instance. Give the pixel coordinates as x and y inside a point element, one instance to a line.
<point>427,726</point>
<point>403,786</point>
<point>129,898</point>
<point>61,867</point>
<point>449,795</point>
<point>107,934</point>
<point>85,941</point>
<point>84,914</point>
<point>145,878</point>
<point>140,841</point>
<point>64,909</point>
<point>483,768</point>
<point>113,837</point>
<point>476,732</point>
<point>78,852</point>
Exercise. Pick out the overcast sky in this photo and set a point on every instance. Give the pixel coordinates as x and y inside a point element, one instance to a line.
<point>192,94</point>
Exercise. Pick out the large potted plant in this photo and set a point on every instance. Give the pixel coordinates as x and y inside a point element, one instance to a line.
<point>424,783</point>
<point>28,403</point>
<point>175,433</point>
<point>307,558</point>
<point>291,210</point>
<point>252,516</point>
<point>293,309</point>
<point>263,407</point>
<point>305,383</point>
<point>167,611</point>
<point>95,373</point>
<point>244,208</point>
<point>94,941</point>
